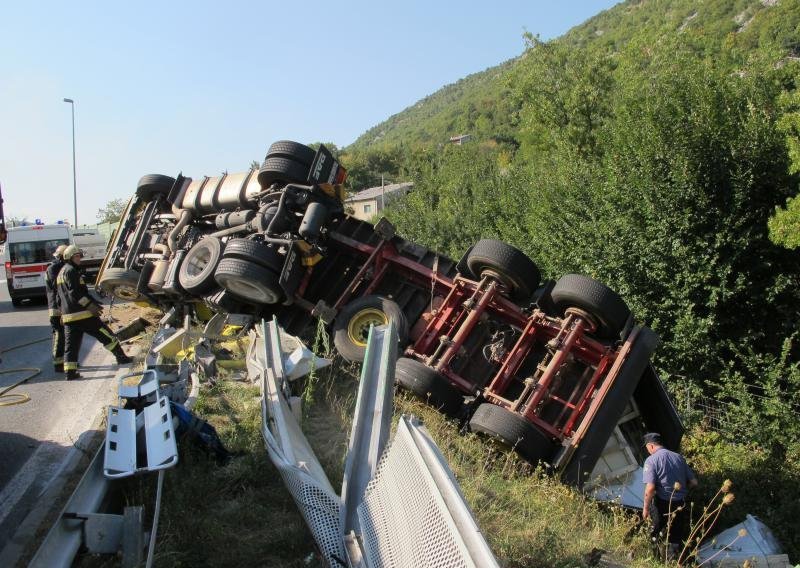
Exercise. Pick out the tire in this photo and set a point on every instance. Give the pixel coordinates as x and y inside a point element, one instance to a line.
<point>255,252</point>
<point>282,170</point>
<point>249,281</point>
<point>196,274</point>
<point>16,302</point>
<point>510,265</point>
<point>293,150</point>
<point>429,385</point>
<point>512,430</point>
<point>121,284</point>
<point>606,307</point>
<point>351,326</point>
<point>151,185</point>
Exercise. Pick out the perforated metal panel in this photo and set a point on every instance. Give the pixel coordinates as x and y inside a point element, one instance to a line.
<point>412,514</point>
<point>410,518</point>
<point>320,507</point>
<point>290,452</point>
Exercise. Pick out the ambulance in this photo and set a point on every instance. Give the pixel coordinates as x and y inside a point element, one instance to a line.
<point>28,251</point>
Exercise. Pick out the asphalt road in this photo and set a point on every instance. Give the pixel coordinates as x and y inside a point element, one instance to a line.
<point>38,438</point>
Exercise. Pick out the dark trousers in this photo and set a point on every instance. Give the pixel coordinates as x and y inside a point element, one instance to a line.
<point>74,334</point>
<point>58,340</point>
<point>674,531</point>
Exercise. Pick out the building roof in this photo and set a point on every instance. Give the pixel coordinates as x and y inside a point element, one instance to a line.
<point>374,192</point>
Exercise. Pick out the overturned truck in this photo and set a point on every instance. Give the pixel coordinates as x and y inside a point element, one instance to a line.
<point>552,369</point>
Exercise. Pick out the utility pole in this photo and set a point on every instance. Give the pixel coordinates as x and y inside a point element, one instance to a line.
<point>74,174</point>
<point>383,194</point>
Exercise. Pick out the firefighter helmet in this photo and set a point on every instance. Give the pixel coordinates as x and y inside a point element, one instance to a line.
<point>71,251</point>
<point>59,252</point>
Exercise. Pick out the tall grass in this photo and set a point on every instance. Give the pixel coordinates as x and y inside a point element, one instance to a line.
<point>239,513</point>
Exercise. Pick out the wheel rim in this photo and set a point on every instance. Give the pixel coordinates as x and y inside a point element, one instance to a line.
<point>358,327</point>
<point>198,262</point>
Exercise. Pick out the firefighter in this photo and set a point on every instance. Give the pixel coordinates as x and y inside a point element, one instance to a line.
<point>53,310</point>
<point>80,313</point>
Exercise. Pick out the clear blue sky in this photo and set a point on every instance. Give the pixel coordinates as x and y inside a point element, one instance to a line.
<point>204,86</point>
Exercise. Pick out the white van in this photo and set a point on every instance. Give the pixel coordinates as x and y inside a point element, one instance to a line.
<point>93,245</point>
<point>28,251</point>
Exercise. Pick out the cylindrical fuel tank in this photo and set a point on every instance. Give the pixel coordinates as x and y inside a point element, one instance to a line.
<point>228,220</point>
<point>158,276</point>
<point>226,192</point>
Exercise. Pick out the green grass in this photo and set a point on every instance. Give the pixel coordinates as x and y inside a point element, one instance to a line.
<point>240,514</point>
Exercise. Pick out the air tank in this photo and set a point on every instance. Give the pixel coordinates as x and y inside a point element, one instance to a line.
<point>226,192</point>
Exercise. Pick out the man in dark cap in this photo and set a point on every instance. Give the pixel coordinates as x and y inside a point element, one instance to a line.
<point>667,478</point>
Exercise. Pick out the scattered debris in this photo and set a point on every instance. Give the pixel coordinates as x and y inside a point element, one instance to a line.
<point>750,541</point>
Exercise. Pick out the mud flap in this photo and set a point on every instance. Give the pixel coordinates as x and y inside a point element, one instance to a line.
<point>576,471</point>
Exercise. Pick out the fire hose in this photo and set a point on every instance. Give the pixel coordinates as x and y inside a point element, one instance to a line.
<point>11,399</point>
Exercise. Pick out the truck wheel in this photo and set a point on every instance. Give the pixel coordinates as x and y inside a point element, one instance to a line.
<point>429,385</point>
<point>16,302</point>
<point>255,252</point>
<point>282,170</point>
<point>512,430</point>
<point>151,185</point>
<point>293,150</point>
<point>196,274</point>
<point>605,306</point>
<point>249,281</point>
<point>121,284</point>
<point>508,264</point>
<point>351,326</point>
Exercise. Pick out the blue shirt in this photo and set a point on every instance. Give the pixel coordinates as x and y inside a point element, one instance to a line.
<point>663,469</point>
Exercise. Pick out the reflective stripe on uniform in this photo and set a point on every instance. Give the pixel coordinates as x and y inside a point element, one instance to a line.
<point>77,316</point>
<point>52,312</point>
<point>58,360</point>
<point>84,301</point>
<point>70,366</point>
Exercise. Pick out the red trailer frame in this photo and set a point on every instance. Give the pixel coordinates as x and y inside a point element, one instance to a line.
<point>561,404</point>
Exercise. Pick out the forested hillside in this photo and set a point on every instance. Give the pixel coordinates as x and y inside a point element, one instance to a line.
<point>653,147</point>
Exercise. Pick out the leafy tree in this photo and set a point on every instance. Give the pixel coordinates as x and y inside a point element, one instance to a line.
<point>784,227</point>
<point>112,212</point>
<point>563,98</point>
<point>461,194</point>
<point>366,167</point>
<point>675,213</point>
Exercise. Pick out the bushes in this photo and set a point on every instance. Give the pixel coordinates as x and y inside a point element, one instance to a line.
<point>665,197</point>
<point>766,485</point>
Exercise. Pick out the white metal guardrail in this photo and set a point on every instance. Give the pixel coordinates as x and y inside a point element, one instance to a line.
<point>289,449</point>
<point>401,506</point>
<point>413,513</point>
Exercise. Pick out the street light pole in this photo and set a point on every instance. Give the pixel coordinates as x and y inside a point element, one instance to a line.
<point>74,175</point>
